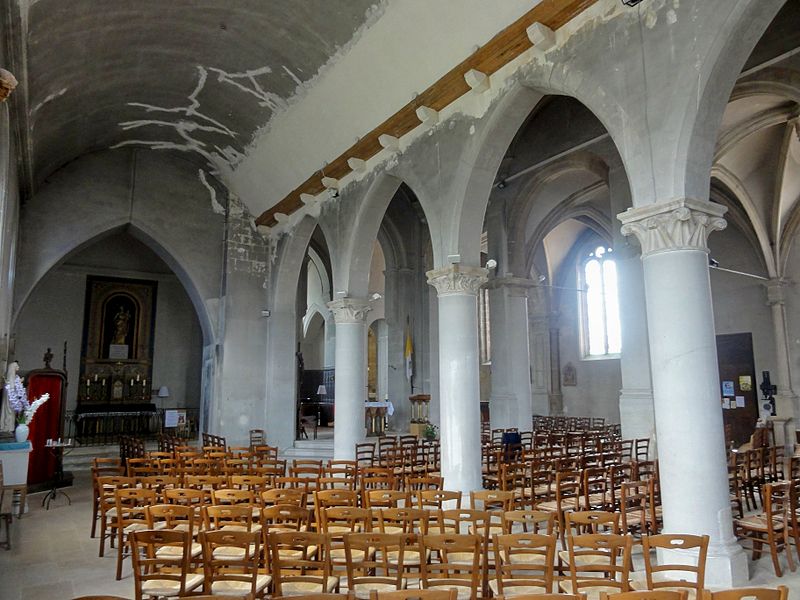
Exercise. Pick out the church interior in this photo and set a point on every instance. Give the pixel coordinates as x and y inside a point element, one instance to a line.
<point>456,299</point>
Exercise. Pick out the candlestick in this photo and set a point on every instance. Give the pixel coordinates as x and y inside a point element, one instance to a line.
<point>95,376</point>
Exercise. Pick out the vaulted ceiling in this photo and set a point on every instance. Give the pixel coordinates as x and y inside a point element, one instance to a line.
<point>199,75</point>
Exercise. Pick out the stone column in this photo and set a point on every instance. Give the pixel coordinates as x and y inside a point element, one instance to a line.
<point>636,396</point>
<point>350,315</point>
<point>459,395</point>
<point>539,339</point>
<point>556,398</point>
<point>691,441</point>
<point>786,401</point>
<point>510,404</point>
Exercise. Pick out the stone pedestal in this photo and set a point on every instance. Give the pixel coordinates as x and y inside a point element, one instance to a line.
<point>691,441</point>
<point>350,315</point>
<point>457,288</point>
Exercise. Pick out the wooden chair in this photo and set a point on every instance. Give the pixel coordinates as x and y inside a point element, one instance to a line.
<point>771,526</point>
<point>405,521</point>
<point>597,563</point>
<point>339,596</point>
<point>633,504</point>
<point>301,563</point>
<point>567,498</point>
<point>230,563</point>
<point>368,566</point>
<point>131,515</point>
<point>592,521</point>
<point>674,577</point>
<point>101,467</point>
<point>157,573</point>
<point>107,485</point>
<point>177,517</point>
<point>750,593</point>
<point>386,498</point>
<point>450,571</point>
<point>330,498</point>
<point>523,564</point>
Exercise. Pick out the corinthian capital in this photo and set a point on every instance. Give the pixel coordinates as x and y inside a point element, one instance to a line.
<point>455,279</point>
<point>676,225</point>
<point>350,310</point>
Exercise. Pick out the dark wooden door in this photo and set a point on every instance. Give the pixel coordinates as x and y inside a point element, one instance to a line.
<point>737,375</point>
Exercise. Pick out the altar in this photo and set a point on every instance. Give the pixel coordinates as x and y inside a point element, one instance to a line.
<point>375,413</point>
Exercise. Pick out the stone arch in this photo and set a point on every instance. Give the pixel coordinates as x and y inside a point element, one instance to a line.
<point>726,58</point>
<point>480,162</point>
<point>56,255</point>
<point>368,226</point>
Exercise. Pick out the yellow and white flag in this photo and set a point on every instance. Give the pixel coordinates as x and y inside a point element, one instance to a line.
<point>408,354</point>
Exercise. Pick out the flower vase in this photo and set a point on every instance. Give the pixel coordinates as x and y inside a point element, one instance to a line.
<point>21,432</point>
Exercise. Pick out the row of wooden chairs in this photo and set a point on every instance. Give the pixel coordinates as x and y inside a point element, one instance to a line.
<point>752,593</point>
<point>509,564</point>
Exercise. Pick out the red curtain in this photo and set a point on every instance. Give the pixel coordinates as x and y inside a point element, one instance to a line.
<point>46,425</point>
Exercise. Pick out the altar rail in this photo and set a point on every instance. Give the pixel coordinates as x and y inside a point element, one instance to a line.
<point>101,428</point>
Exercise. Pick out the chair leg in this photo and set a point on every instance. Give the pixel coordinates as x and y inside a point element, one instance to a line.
<point>94,517</point>
<point>120,551</point>
<point>103,525</point>
<point>773,549</point>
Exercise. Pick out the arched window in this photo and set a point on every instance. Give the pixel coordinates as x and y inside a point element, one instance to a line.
<point>601,327</point>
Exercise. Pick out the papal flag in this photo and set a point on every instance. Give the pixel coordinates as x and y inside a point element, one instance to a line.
<point>408,354</point>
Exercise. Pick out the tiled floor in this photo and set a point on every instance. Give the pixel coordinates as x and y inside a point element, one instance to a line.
<point>53,558</point>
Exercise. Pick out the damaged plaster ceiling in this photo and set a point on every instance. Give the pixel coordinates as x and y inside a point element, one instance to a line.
<point>194,76</point>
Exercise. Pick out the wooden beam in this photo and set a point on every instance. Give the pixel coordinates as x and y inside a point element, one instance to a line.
<point>495,54</point>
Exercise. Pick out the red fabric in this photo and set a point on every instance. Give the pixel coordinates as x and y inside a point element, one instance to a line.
<point>46,424</point>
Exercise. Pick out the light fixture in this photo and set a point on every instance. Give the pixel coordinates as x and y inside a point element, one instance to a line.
<point>491,264</point>
<point>321,391</point>
<point>714,264</point>
<point>163,392</point>
<point>375,297</point>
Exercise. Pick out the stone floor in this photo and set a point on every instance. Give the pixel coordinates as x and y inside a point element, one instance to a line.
<point>53,558</point>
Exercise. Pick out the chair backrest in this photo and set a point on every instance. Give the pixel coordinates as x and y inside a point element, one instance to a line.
<point>299,556</point>
<point>409,520</point>
<point>171,516</point>
<point>218,516</point>
<point>338,520</point>
<point>599,560</point>
<point>284,517</point>
<point>528,521</point>
<point>451,569</point>
<point>593,521</point>
<point>386,498</point>
<point>695,573</point>
<point>131,504</point>
<point>231,557</point>
<point>750,593</point>
<point>232,496</point>
<point>186,496</point>
<point>151,565</point>
<point>492,500</point>
<point>524,559</point>
<point>435,499</point>
<point>289,495</point>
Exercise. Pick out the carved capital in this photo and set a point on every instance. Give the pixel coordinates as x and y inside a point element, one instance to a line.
<point>517,287</point>
<point>350,310</point>
<point>776,291</point>
<point>676,225</point>
<point>457,280</point>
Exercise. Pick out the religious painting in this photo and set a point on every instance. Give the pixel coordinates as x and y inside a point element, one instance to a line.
<point>119,323</point>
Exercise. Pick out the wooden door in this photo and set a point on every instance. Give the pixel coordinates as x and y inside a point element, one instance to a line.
<point>737,375</point>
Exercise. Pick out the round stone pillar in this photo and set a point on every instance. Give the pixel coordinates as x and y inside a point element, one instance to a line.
<point>510,402</point>
<point>786,400</point>
<point>350,316</point>
<point>689,429</point>
<point>459,394</point>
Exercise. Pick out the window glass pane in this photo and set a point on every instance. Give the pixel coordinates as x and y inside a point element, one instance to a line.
<point>594,308</point>
<point>612,307</point>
